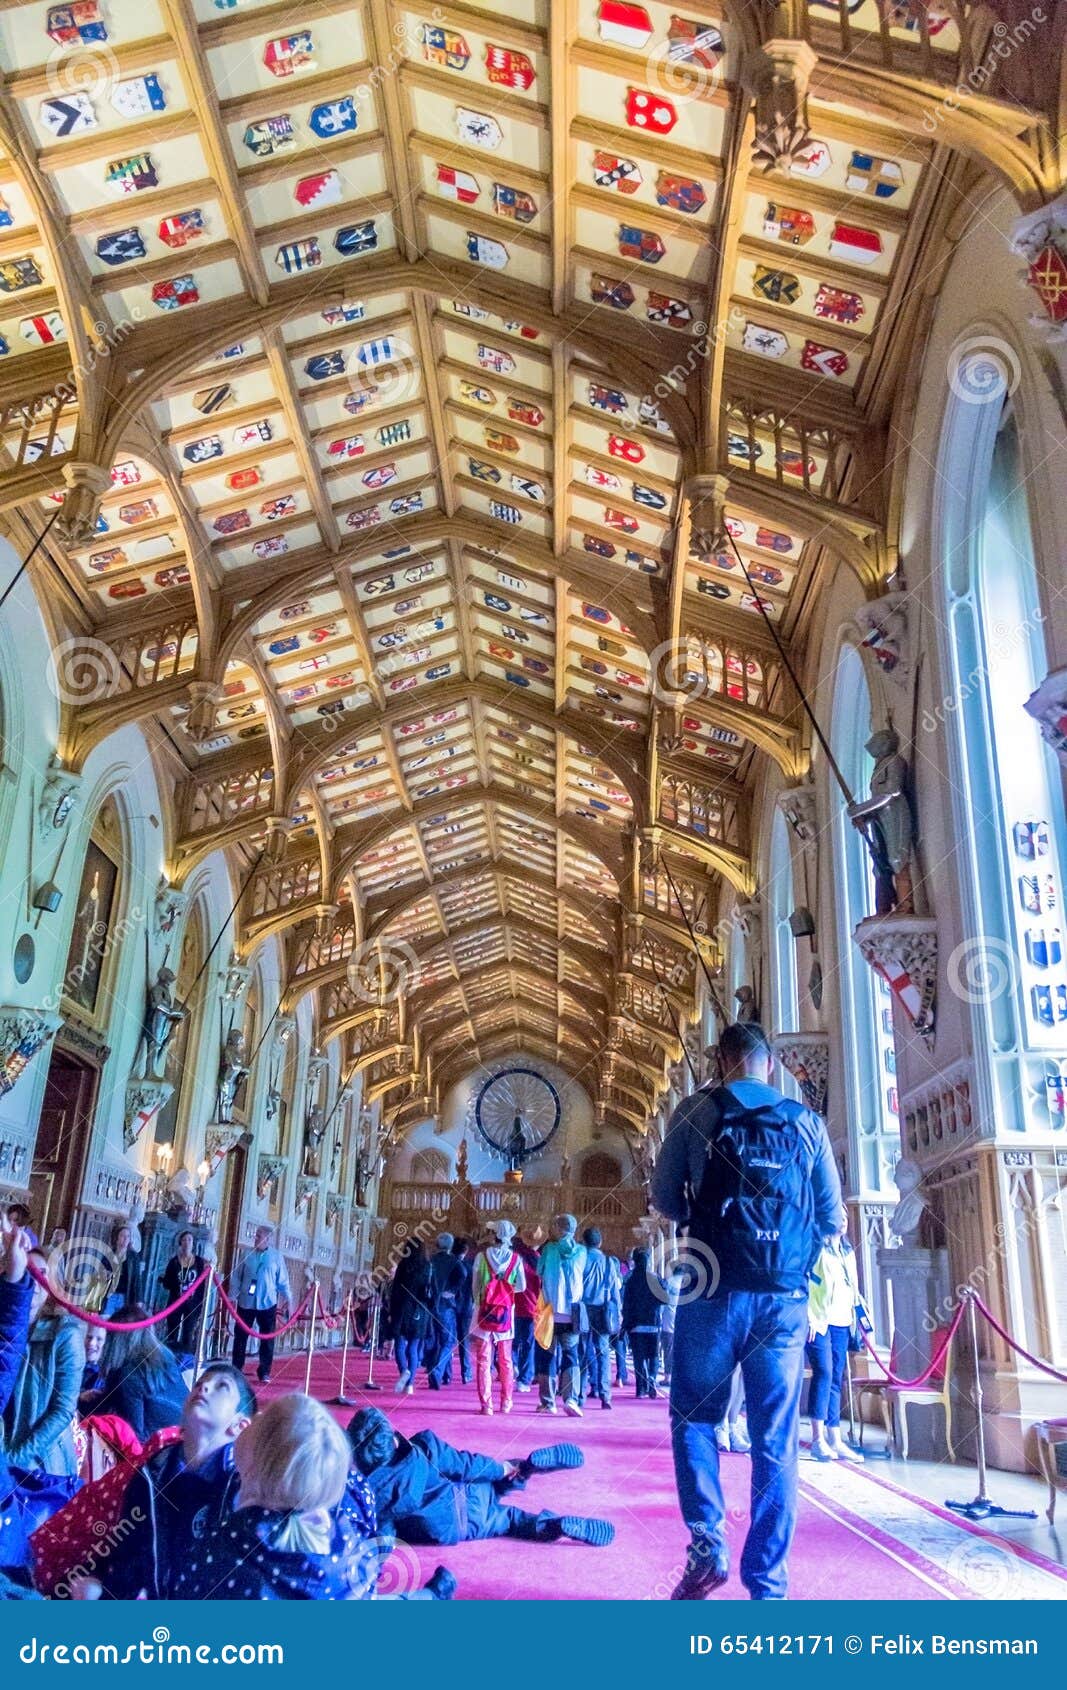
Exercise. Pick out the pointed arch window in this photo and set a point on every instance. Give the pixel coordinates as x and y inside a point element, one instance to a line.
<point>785,1002</point>
<point>866,1003</point>
<point>1011,967</point>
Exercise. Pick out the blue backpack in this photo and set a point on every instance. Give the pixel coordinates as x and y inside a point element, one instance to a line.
<point>755,1208</point>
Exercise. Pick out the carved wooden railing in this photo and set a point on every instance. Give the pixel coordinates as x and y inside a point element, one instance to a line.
<point>657,895</point>
<point>216,800</point>
<point>695,808</point>
<point>719,668</point>
<point>149,658</point>
<point>325,949</point>
<point>781,447</point>
<point>942,41</point>
<point>424,1207</point>
<point>277,888</point>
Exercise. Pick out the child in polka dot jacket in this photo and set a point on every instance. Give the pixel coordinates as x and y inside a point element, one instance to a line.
<point>302,1530</point>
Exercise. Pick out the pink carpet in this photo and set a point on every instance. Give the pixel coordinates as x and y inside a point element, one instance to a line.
<point>838,1554</point>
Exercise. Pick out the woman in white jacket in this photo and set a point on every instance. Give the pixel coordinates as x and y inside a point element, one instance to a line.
<point>497,1278</point>
<point>833,1295</point>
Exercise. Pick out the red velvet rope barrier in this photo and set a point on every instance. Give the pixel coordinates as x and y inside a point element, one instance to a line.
<point>1008,1339</point>
<point>910,1384</point>
<point>115,1325</point>
<point>253,1331</point>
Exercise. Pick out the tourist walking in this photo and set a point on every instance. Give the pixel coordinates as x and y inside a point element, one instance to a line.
<point>498,1276</point>
<point>752,1175</point>
<point>410,1313</point>
<point>561,1265</point>
<point>833,1298</point>
<point>602,1296</point>
<point>262,1295</point>
<point>643,1298</point>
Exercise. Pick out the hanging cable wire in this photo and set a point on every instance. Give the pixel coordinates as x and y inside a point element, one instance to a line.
<point>793,676</point>
<point>669,1007</point>
<point>24,565</point>
<point>290,977</point>
<point>717,1003</point>
<point>218,936</point>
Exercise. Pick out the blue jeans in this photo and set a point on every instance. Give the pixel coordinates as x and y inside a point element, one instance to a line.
<point>443,1342</point>
<point>407,1352</point>
<point>596,1369</point>
<point>764,1333</point>
<point>567,1348</point>
<point>827,1355</point>
<point>522,1349</point>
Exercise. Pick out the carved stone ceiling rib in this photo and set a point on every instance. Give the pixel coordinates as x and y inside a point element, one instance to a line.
<point>401,331</point>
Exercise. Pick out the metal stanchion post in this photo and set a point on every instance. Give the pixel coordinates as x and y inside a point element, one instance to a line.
<point>201,1337</point>
<point>311,1336</point>
<point>982,1507</point>
<point>370,1385</point>
<point>340,1400</point>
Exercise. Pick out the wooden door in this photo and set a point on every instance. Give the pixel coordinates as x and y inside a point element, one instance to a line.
<point>62,1141</point>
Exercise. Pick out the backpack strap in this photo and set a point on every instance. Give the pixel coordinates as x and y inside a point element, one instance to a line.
<point>506,1275</point>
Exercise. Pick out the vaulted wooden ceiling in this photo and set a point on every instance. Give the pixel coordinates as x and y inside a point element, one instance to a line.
<point>442,413</point>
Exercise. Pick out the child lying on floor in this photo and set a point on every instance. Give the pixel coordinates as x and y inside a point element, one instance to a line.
<point>428,1492</point>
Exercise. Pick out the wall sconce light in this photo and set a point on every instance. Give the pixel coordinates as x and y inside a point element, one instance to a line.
<point>203,1172</point>
<point>47,898</point>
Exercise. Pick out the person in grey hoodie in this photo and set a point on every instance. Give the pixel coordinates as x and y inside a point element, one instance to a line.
<point>38,1420</point>
<point>561,1265</point>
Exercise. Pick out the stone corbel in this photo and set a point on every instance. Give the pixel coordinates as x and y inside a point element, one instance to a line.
<point>269,1171</point>
<point>798,806</point>
<point>325,916</point>
<point>887,636</point>
<point>749,917</point>
<point>806,1056</point>
<point>12,1159</point>
<point>59,794</point>
<point>284,1028</point>
<point>668,741</point>
<point>903,950</point>
<point>235,980</point>
<point>22,1033</point>
<point>707,518</point>
<point>170,907</point>
<point>779,76</point>
<point>219,1140</point>
<point>318,1064</point>
<point>1048,707</point>
<point>278,830</point>
<point>204,700</point>
<point>1040,240</point>
<point>86,485</point>
<point>144,1100</point>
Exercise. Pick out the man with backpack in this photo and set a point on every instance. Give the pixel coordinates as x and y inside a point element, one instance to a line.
<point>752,1176</point>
